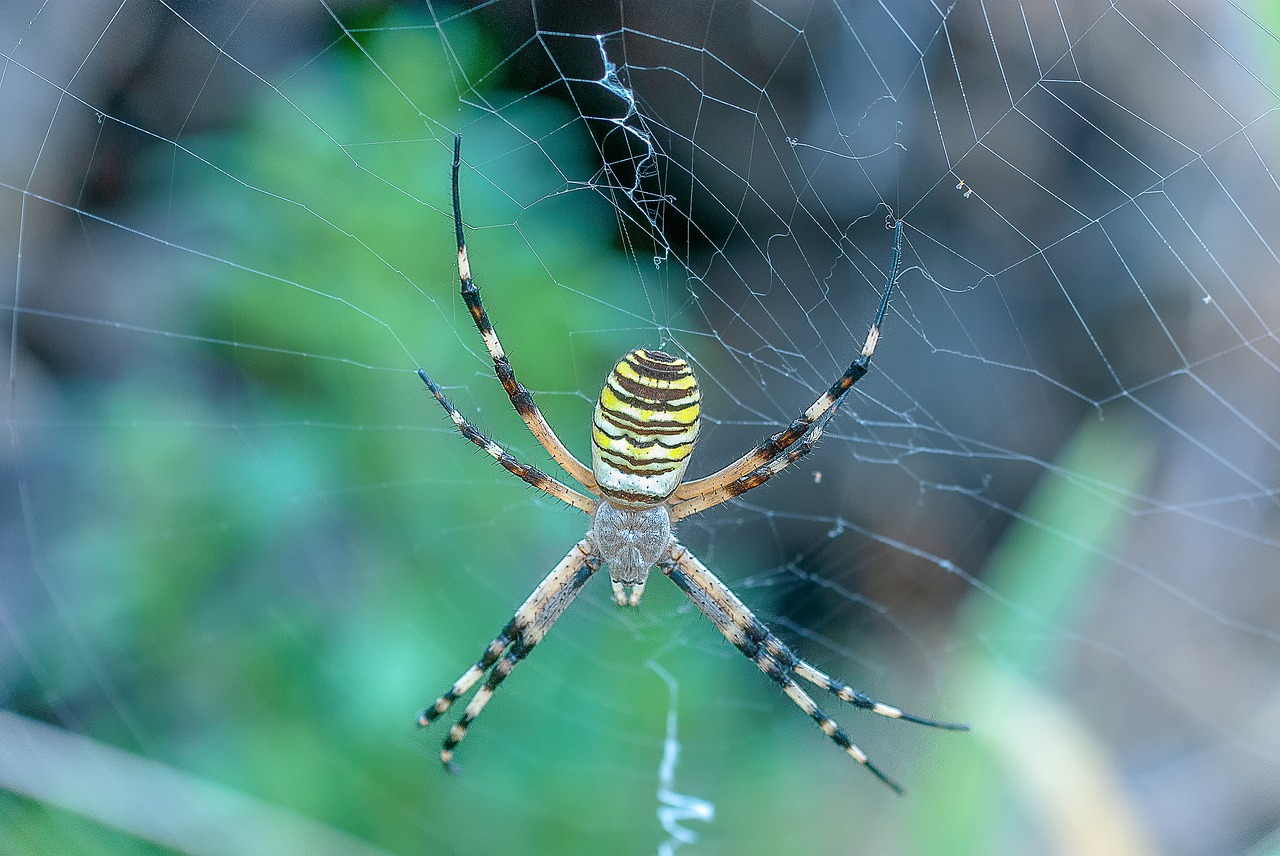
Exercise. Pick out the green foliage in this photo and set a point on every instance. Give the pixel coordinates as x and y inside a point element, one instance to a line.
<point>1036,764</point>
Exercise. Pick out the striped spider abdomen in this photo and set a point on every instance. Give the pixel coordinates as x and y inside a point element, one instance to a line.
<point>645,425</point>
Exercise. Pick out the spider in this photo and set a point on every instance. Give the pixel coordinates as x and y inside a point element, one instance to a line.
<point>643,431</point>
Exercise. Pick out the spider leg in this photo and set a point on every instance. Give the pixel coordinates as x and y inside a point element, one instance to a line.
<point>710,498</point>
<point>750,636</point>
<point>520,397</point>
<point>860,699</point>
<point>770,449</point>
<point>530,475</point>
<point>525,630</point>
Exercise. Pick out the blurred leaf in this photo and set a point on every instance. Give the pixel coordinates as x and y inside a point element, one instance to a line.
<point>1039,580</point>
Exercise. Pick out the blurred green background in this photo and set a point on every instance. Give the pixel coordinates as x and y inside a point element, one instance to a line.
<point>251,546</point>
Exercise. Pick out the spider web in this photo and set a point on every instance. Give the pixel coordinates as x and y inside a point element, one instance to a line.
<point>242,547</point>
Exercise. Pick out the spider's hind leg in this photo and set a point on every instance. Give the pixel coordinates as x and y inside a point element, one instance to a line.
<point>469,678</point>
<point>844,692</point>
<point>525,630</point>
<point>750,636</point>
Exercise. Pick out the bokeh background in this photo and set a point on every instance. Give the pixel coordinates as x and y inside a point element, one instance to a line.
<point>240,547</point>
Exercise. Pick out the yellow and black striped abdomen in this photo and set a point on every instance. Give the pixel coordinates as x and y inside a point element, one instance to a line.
<point>645,423</point>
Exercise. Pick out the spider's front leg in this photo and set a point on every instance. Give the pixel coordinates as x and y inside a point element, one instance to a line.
<point>769,457</point>
<point>525,630</point>
<point>520,397</point>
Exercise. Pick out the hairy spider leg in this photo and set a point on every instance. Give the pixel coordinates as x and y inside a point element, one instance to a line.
<point>525,630</point>
<point>712,498</point>
<point>530,475</point>
<point>773,657</point>
<point>520,397</point>
<point>769,449</point>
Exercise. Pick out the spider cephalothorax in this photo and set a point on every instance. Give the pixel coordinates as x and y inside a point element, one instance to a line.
<point>630,541</point>
<point>644,428</point>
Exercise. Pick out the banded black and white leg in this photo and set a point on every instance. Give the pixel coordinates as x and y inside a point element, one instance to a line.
<point>528,474</point>
<point>521,398</point>
<point>525,630</point>
<point>718,484</point>
<point>750,636</point>
<point>713,497</point>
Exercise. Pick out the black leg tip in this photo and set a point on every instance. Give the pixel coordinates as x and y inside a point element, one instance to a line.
<point>933,723</point>
<point>893,786</point>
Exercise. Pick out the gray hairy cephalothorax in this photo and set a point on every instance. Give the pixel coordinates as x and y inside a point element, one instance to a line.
<point>631,540</point>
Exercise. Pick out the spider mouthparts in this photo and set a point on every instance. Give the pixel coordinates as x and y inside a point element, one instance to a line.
<point>627,594</point>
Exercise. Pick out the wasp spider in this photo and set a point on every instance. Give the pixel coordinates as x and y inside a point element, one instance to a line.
<point>643,431</point>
